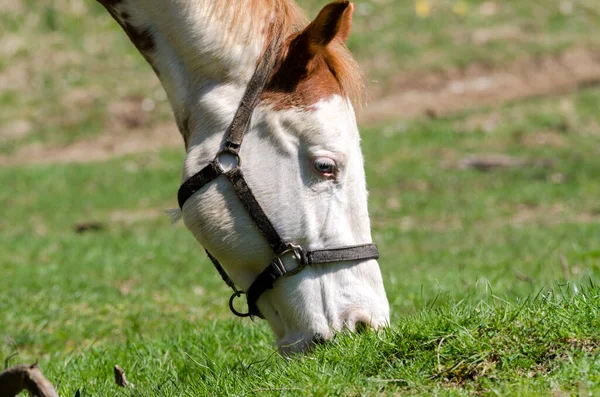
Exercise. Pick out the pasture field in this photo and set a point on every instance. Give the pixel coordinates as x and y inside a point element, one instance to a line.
<point>487,215</point>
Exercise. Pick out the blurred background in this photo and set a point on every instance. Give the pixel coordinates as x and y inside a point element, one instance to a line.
<point>482,146</point>
<point>69,73</point>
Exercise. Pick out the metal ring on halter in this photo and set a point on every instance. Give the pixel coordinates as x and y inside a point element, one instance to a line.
<point>238,160</point>
<point>235,295</point>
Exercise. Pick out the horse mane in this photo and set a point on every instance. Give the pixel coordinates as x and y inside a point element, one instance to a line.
<point>291,19</point>
<point>236,13</point>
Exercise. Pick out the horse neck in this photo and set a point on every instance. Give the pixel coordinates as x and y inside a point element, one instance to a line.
<point>203,51</point>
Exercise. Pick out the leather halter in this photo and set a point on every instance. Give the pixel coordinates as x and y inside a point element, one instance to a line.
<point>281,248</point>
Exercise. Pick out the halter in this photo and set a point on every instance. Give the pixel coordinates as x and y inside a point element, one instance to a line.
<point>281,248</point>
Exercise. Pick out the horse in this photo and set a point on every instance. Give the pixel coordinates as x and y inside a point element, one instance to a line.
<point>283,217</point>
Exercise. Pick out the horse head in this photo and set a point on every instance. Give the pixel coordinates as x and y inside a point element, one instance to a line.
<point>301,156</point>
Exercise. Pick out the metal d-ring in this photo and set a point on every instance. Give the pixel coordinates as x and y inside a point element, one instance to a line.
<point>235,295</point>
<point>238,160</point>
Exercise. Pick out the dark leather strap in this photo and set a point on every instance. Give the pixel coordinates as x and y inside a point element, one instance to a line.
<point>276,269</point>
<point>221,271</point>
<point>363,252</point>
<point>238,127</point>
<point>263,282</point>
<point>262,222</point>
<point>197,182</point>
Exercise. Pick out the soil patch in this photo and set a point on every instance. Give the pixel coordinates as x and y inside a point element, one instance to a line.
<point>545,138</point>
<point>441,94</point>
<point>493,161</point>
<point>111,144</point>
<point>551,215</point>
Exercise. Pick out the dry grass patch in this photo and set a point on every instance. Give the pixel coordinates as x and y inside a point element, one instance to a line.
<point>444,93</point>
<point>555,214</point>
<point>118,142</point>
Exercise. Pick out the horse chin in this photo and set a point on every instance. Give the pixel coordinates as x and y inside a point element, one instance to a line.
<point>299,328</point>
<point>290,346</point>
<point>299,343</point>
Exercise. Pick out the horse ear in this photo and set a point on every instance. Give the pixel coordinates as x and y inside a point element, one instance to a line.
<point>333,22</point>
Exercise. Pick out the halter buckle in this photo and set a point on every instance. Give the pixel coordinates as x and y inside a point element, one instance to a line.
<point>299,256</point>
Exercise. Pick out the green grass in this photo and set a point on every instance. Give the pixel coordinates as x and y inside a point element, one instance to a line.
<point>548,342</point>
<point>491,275</point>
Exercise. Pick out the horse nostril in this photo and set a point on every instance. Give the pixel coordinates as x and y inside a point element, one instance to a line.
<point>362,327</point>
<point>358,321</point>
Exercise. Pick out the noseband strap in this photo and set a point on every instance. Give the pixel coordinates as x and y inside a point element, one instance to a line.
<point>284,252</point>
<point>277,268</point>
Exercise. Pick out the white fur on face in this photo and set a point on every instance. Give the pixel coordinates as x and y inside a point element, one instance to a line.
<point>306,208</point>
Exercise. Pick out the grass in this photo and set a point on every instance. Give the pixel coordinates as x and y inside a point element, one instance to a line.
<point>526,348</point>
<point>492,276</point>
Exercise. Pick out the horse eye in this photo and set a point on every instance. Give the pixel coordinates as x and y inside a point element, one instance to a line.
<point>325,166</point>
